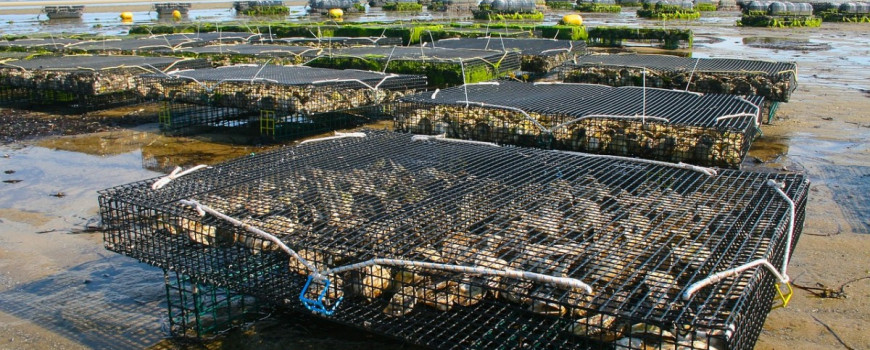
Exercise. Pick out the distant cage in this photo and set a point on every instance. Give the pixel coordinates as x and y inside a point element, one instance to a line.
<point>443,67</point>
<point>538,55</point>
<point>226,55</point>
<point>333,41</point>
<point>80,82</point>
<point>169,8</point>
<point>666,125</point>
<point>275,102</point>
<point>480,246</point>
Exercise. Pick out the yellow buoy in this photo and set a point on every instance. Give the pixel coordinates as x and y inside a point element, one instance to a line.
<point>176,15</point>
<point>572,20</point>
<point>336,13</point>
<point>126,16</point>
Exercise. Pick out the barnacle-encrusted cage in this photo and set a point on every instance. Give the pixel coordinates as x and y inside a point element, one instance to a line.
<point>80,82</point>
<point>275,102</point>
<point>224,55</point>
<point>442,67</point>
<point>776,81</point>
<point>667,125</point>
<point>479,246</point>
<point>538,55</point>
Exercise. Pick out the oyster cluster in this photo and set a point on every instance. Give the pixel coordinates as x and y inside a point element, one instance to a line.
<point>650,139</point>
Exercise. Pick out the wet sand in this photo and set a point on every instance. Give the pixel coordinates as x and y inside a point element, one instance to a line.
<point>62,290</point>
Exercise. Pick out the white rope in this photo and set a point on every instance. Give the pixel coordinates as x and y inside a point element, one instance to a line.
<point>714,278</point>
<point>375,88</point>
<point>757,108</point>
<point>738,115</point>
<point>692,73</point>
<point>338,135</point>
<point>202,209</point>
<point>163,181</point>
<point>444,138</point>
<point>435,93</point>
<point>609,116</point>
<point>471,270</point>
<point>533,120</point>
<point>782,275</point>
<point>680,165</point>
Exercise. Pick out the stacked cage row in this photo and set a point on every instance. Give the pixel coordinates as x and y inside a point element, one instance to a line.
<point>475,246</point>
<point>275,102</point>
<point>83,81</point>
<point>667,125</point>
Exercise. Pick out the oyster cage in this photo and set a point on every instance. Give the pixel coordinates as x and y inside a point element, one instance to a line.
<point>464,245</point>
<point>81,82</point>
<point>333,41</point>
<point>225,55</point>
<point>36,44</point>
<point>274,102</point>
<point>132,46</point>
<point>667,125</point>
<point>776,81</point>
<point>442,67</point>
<point>538,55</point>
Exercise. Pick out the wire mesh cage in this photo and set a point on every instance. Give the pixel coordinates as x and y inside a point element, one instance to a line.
<point>336,41</point>
<point>538,55</point>
<point>86,81</point>
<point>465,245</point>
<point>442,67</point>
<point>208,38</point>
<point>286,101</point>
<point>169,8</point>
<point>776,81</point>
<point>225,55</point>
<point>36,44</point>
<point>128,46</point>
<point>667,125</point>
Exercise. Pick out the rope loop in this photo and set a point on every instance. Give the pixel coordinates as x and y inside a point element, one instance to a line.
<point>163,181</point>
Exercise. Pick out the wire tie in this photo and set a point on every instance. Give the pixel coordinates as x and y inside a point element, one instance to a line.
<point>317,305</point>
<point>163,181</point>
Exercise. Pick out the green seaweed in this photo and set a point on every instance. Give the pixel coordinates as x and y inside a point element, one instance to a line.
<point>560,5</point>
<point>266,11</point>
<point>601,8</point>
<point>516,16</point>
<point>565,32</point>
<point>705,7</point>
<point>403,6</point>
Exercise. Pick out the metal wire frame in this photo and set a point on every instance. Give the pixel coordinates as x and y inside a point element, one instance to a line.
<point>638,233</point>
<point>776,81</point>
<point>51,44</point>
<point>538,55</point>
<point>132,46</point>
<point>334,41</point>
<point>668,125</point>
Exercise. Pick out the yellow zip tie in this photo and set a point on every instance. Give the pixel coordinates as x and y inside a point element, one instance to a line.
<point>783,298</point>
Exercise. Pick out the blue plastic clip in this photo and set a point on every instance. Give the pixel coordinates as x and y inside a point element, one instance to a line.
<point>317,305</point>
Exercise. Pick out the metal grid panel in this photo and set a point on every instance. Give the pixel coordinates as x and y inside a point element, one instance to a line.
<point>530,46</point>
<point>638,233</point>
<point>421,53</point>
<point>133,45</point>
<point>339,41</point>
<point>213,37</point>
<point>668,125</point>
<point>291,76</point>
<point>53,44</point>
<point>252,50</point>
<point>773,80</point>
<point>86,63</point>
